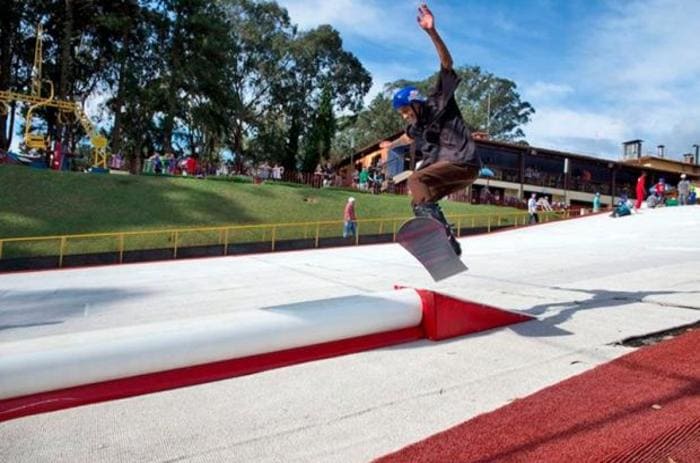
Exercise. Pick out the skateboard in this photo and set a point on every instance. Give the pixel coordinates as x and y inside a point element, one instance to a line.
<point>426,240</point>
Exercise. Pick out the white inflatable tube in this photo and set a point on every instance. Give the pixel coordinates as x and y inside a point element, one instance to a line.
<point>57,362</point>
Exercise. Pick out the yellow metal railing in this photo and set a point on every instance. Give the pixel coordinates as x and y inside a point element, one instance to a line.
<point>265,237</point>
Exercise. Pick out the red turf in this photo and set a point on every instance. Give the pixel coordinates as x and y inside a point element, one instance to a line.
<point>642,407</point>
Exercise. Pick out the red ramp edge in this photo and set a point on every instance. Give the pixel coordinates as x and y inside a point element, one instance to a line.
<point>447,317</point>
<point>443,317</point>
<point>188,376</point>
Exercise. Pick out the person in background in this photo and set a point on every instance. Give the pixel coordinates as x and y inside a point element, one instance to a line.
<point>532,209</point>
<point>191,165</point>
<point>364,179</point>
<point>350,219</point>
<point>157,164</point>
<point>623,207</point>
<point>660,191</point>
<point>692,194</point>
<point>543,204</point>
<point>596,202</point>
<point>683,190</point>
<point>641,190</point>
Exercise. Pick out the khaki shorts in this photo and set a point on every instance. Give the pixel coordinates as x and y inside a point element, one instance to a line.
<point>438,180</point>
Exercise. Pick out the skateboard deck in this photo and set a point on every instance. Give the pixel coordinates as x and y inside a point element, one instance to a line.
<point>426,240</point>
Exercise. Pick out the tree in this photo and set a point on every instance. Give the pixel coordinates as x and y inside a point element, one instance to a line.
<point>11,41</point>
<point>193,77</point>
<point>185,75</point>
<point>319,64</point>
<point>479,92</point>
<point>259,35</point>
<point>319,137</point>
<point>376,122</point>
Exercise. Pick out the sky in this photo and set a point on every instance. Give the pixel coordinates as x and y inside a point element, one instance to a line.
<point>598,72</point>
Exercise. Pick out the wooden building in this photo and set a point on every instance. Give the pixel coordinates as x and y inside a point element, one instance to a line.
<point>521,169</point>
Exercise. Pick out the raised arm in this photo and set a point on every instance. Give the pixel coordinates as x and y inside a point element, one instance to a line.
<point>426,20</point>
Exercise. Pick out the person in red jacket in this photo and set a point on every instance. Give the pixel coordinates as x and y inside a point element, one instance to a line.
<point>191,166</point>
<point>660,189</point>
<point>641,189</point>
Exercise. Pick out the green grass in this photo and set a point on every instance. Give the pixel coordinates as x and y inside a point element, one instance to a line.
<point>43,203</point>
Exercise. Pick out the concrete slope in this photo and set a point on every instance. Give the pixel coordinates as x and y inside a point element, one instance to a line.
<point>591,282</point>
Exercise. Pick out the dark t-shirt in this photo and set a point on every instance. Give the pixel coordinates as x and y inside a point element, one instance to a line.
<point>440,133</point>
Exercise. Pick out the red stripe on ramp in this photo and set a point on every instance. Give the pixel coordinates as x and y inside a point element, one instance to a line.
<point>446,317</point>
<point>625,409</point>
<point>154,382</point>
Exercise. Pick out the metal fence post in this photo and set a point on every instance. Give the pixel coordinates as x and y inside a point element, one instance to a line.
<point>318,231</point>
<point>357,234</point>
<point>175,236</point>
<point>62,249</point>
<point>393,231</point>
<point>459,227</point>
<point>488,227</point>
<point>121,248</point>
<point>1,241</point>
<point>274,235</point>
<point>226,242</point>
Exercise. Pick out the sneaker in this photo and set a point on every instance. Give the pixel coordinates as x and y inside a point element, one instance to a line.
<point>455,245</point>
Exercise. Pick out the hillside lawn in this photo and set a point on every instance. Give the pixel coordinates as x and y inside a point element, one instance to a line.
<point>43,203</point>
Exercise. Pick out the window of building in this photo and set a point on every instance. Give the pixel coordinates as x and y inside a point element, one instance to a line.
<point>590,176</point>
<point>544,170</point>
<point>504,163</point>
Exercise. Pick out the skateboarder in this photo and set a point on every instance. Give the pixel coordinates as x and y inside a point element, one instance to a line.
<point>448,158</point>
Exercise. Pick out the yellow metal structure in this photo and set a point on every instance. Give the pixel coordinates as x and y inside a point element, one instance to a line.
<point>35,140</point>
<point>35,100</point>
<point>38,61</point>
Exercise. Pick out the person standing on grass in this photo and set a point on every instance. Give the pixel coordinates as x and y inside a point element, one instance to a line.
<point>449,161</point>
<point>350,219</point>
<point>532,209</point>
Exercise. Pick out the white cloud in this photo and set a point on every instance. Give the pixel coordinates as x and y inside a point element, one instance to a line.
<point>348,13</point>
<point>385,32</point>
<point>647,44</point>
<point>642,62</point>
<point>383,23</point>
<point>384,72</point>
<point>578,131</point>
<point>542,92</point>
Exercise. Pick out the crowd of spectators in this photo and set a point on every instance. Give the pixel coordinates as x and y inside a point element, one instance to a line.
<point>185,165</point>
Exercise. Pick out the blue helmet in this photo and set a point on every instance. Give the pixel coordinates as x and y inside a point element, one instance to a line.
<point>406,96</point>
